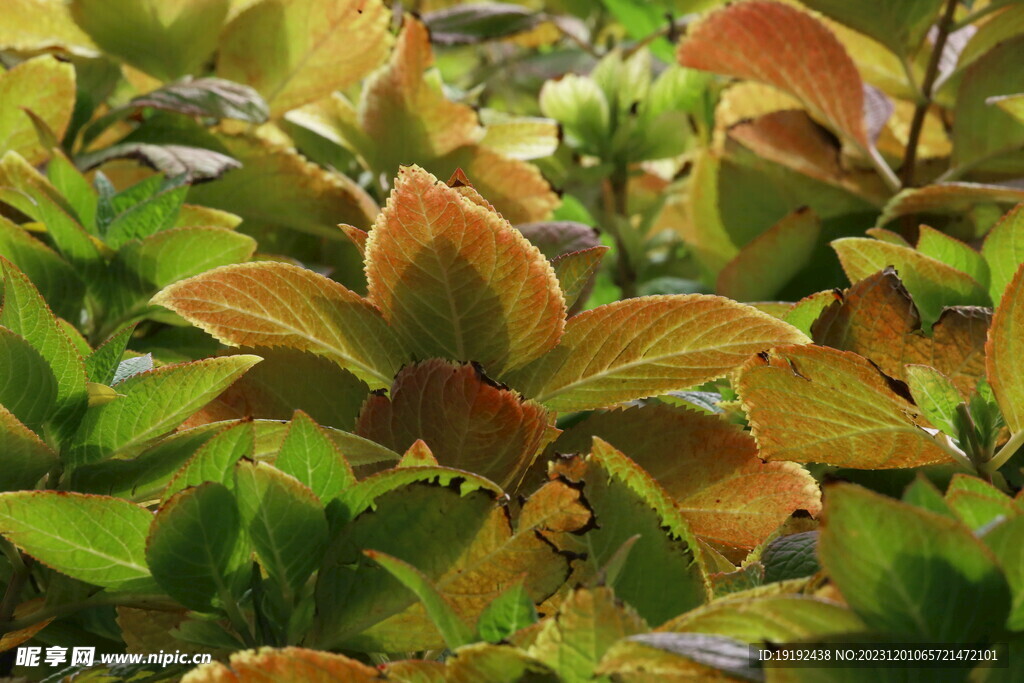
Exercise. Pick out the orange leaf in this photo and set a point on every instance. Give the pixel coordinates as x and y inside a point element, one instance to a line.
<point>648,346</point>
<point>776,44</point>
<point>467,421</point>
<point>708,466</point>
<point>457,281</point>
<point>1004,351</point>
<point>278,304</point>
<point>816,404</point>
<point>877,319</point>
<point>270,665</point>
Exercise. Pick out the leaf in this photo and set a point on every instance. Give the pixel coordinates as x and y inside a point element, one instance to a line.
<point>24,458</point>
<point>195,163</point>
<point>296,52</point>
<point>936,396</point>
<point>908,571</point>
<point>952,252</point>
<point>29,388</point>
<point>215,460</point>
<point>933,284</point>
<point>684,655</point>
<point>477,662</point>
<point>765,265</point>
<point>454,630</point>
<point>661,577</point>
<point>710,468</point>
<point>101,365</point>
<point>1011,104</point>
<point>37,25</point>
<point>43,86</point>
<point>207,97</point>
<point>274,179</point>
<point>1003,352</point>
<point>1004,542</point>
<point>815,404</point>
<point>53,277</point>
<point>289,663</point>
<point>983,133</point>
<point>735,41</point>
<point>1003,250</point>
<point>791,557</point>
<point>154,403</point>
<point>285,521</point>
<point>946,198</point>
<point>474,23</point>
<point>277,304</point>
<point>576,272</point>
<point>166,257</point>
<point>508,613</point>
<point>517,137</point>
<point>876,318</point>
<point>192,559</point>
<point>96,539</point>
<point>25,312</point>
<point>900,25</point>
<point>558,238</point>
<point>589,621</point>
<point>466,420</point>
<point>129,367</point>
<point>455,280</point>
<point>977,503</point>
<point>672,342</point>
<point>166,40</point>
<point>309,455</point>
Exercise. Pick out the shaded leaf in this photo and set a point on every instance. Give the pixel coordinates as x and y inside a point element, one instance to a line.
<point>208,97</point>
<point>195,163</point>
<point>24,458</point>
<point>101,365</point>
<point>576,272</point>
<point>671,343</point>
<point>467,420</point>
<point>1003,352</point>
<point>44,86</point>
<point>1003,250</point>
<point>277,304</point>
<point>946,198</point>
<point>899,25</point>
<point>687,655</point>
<point>95,539</point>
<point>790,557</point>
<point>1004,543</point>
<point>52,276</point>
<point>815,404</point>
<point>977,503</point>
<point>215,460</point>
<point>935,395</point>
<point>472,23</point>
<point>297,52</point>
<point>29,389</point>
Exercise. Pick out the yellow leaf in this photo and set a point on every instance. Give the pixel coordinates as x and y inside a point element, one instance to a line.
<point>46,87</point>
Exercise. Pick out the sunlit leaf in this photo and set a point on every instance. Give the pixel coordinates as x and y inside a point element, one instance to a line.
<point>815,404</point>
<point>806,311</point>
<point>46,87</point>
<point>296,52</point>
<point>1003,541</point>
<point>947,198</point>
<point>309,455</point>
<point>518,137</point>
<point>455,280</point>
<point>52,276</point>
<point>670,343</point>
<point>1003,250</point>
<point>1003,352</point>
<point>977,503</point>
<point>43,25</point>
<point>467,420</point>
<point>510,611</point>
<point>935,395</point>
<point>898,24</point>
<point>290,663</point>
<point>952,252</point>
<point>277,304</point>
<point>95,539</point>
<point>215,460</point>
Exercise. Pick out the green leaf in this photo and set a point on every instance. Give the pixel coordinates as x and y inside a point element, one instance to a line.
<point>215,460</point>
<point>178,253</point>
<point>1003,352</point>
<point>790,557</point>
<point>661,577</point>
<point>1004,541</point>
<point>807,310</point>
<point>146,216</point>
<point>74,187</point>
<point>1003,250</point>
<point>509,612</point>
<point>933,284</point>
<point>53,277</point>
<point>576,272</point>
<point>154,403</point>
<point>922,493</point>
<point>166,40</point>
<point>478,22</point>
<point>671,342</point>
<point>935,395</point>
<point>95,539</point>
<point>687,654</point>
<point>454,630</point>
<point>285,521</point>
<point>192,556</point>
<point>309,455</point>
<point>900,25</point>
<point>907,571</point>
<point>977,503</point>
<point>24,458</point>
<point>43,85</point>
<point>101,365</point>
<point>953,252</point>
<point>28,388</point>
<point>25,312</point>
<point>579,105</point>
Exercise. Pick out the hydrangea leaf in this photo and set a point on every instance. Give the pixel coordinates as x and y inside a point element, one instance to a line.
<point>455,280</point>
<point>46,87</point>
<point>709,467</point>
<point>32,26</point>
<point>816,404</point>
<point>96,539</point>
<point>956,592</point>
<point>1003,250</point>
<point>946,198</point>
<point>309,455</point>
<point>671,342</point>
<point>278,304</point>
<point>288,663</point>
<point>24,458</point>
<point>1003,352</point>
<point>215,459</point>
<point>952,252</point>
<point>296,52</point>
<point>55,279</point>
<point>29,388</point>
<point>899,25</point>
<point>467,420</point>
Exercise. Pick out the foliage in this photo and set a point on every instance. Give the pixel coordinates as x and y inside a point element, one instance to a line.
<point>502,341</point>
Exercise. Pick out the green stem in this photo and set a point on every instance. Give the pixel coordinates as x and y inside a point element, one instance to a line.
<point>619,221</point>
<point>974,16</point>
<point>921,110</point>
<point>139,601</point>
<point>237,619</point>
<point>1006,452</point>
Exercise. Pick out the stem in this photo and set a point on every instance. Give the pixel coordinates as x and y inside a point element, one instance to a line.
<point>956,172</point>
<point>930,74</point>
<point>140,601</point>
<point>974,16</point>
<point>1006,452</point>
<point>236,618</point>
<point>626,275</point>
<point>12,595</point>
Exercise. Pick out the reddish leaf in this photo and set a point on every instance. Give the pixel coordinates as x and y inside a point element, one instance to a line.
<point>466,420</point>
<point>285,664</point>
